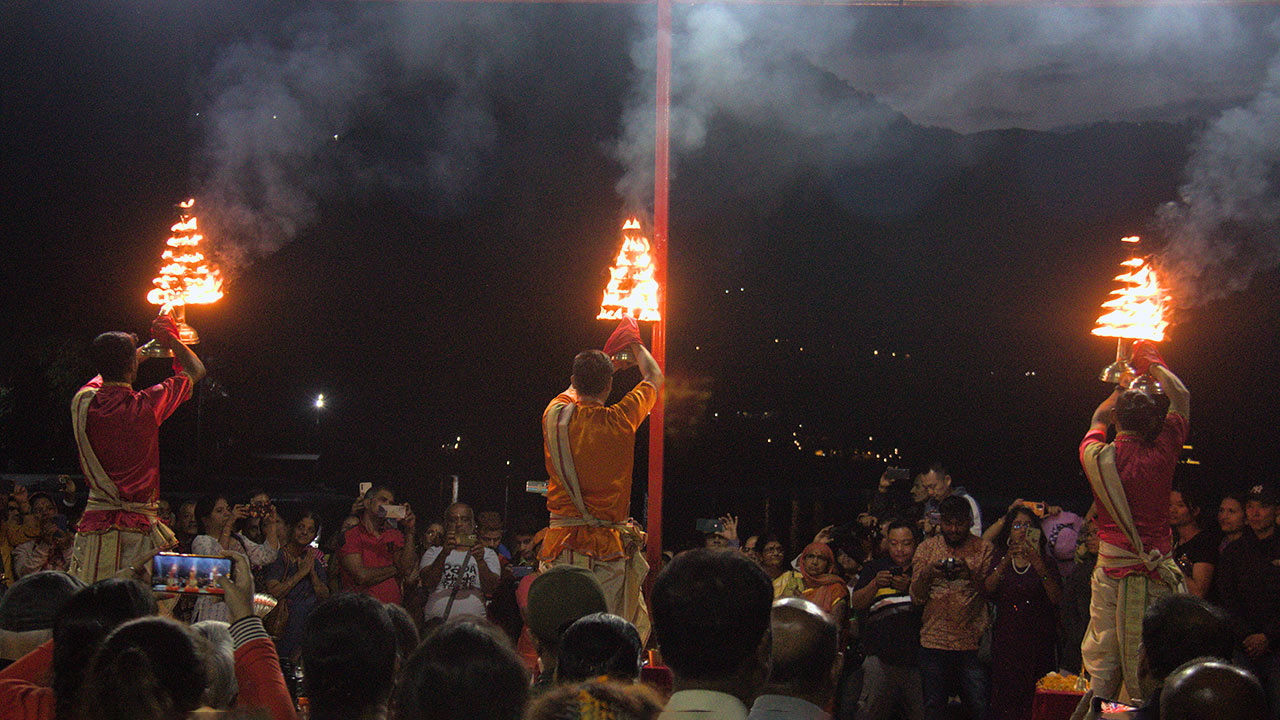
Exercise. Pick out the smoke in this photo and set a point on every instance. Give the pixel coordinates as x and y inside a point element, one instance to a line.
<point>318,111</point>
<point>756,66</point>
<point>340,102</point>
<point>1042,67</point>
<point>1225,226</point>
<point>834,78</point>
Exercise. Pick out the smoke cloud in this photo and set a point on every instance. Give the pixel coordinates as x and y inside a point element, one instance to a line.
<point>1225,226</point>
<point>293,119</point>
<point>758,66</point>
<point>965,69</point>
<point>350,101</point>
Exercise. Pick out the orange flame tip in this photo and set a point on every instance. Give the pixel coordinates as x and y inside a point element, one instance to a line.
<point>1138,309</point>
<point>185,276</point>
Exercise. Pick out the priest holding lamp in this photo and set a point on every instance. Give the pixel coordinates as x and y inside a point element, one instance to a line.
<point>590,453</point>
<point>117,433</point>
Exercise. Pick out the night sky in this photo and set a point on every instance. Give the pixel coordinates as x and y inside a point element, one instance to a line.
<point>891,230</point>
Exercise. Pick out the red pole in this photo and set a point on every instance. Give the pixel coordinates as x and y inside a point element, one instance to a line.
<point>661,161</point>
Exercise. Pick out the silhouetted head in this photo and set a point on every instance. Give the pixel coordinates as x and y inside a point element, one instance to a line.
<point>348,656</point>
<point>1210,688</point>
<point>115,356</point>
<point>1177,629</point>
<point>803,660</point>
<point>147,669</point>
<point>599,644</point>
<point>592,373</point>
<point>465,669</point>
<point>711,616</point>
<point>1138,412</point>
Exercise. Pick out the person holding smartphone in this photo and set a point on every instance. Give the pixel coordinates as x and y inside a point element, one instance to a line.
<point>1026,591</point>
<point>890,631</point>
<point>375,556</point>
<point>462,573</point>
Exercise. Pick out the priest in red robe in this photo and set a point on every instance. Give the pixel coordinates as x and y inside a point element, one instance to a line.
<point>118,437</point>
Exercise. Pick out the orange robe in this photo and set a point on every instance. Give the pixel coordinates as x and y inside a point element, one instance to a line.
<point>602,442</point>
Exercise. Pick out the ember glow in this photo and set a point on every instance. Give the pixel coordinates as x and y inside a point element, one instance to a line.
<point>632,289</point>
<point>186,275</point>
<point>1138,309</point>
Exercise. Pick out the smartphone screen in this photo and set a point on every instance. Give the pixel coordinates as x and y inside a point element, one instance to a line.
<point>188,574</point>
<point>709,526</point>
<point>1103,705</point>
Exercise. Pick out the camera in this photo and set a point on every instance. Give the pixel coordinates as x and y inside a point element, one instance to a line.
<point>950,567</point>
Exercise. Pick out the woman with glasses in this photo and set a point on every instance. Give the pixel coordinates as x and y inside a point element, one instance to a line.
<point>1025,590</point>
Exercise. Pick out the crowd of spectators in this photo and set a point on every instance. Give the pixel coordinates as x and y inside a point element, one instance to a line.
<point>910,609</point>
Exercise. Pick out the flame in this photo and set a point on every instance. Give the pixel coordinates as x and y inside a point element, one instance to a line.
<point>186,275</point>
<point>1139,308</point>
<point>632,290</point>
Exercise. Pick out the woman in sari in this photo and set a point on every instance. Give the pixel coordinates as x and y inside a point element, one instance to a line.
<point>1025,590</point>
<point>297,578</point>
<point>816,582</point>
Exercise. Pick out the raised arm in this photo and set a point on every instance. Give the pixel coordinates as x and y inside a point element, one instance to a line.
<point>649,369</point>
<point>191,364</point>
<point>165,331</point>
<point>1105,415</point>
<point>1179,396</point>
<point>1146,359</point>
<point>431,574</point>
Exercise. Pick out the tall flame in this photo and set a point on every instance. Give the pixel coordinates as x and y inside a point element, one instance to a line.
<point>186,276</point>
<point>1139,308</point>
<point>632,290</point>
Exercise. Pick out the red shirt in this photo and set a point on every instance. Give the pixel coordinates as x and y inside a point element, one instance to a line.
<point>1146,471</point>
<point>123,427</point>
<point>375,552</point>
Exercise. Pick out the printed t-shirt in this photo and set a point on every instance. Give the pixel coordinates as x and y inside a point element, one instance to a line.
<point>1200,549</point>
<point>892,622</point>
<point>460,571</point>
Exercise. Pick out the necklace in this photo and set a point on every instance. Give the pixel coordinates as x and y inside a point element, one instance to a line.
<point>1014,564</point>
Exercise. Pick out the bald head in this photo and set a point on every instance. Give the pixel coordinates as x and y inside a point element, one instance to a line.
<point>1210,688</point>
<point>459,519</point>
<point>805,645</point>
